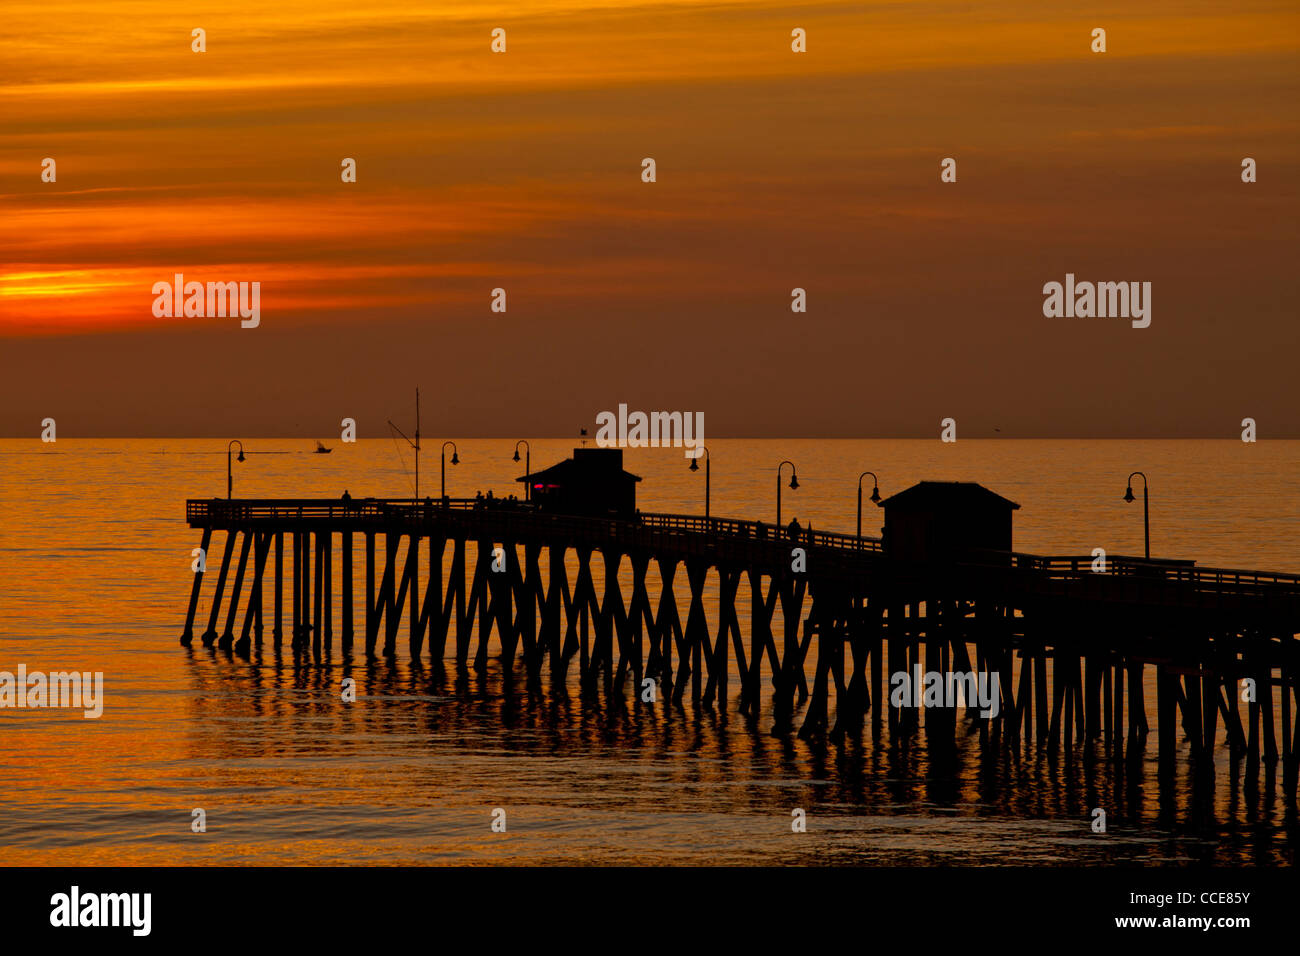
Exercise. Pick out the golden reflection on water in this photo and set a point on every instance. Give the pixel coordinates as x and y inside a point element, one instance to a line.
<point>95,569</point>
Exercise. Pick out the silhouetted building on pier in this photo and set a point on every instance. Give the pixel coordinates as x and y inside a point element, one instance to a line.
<point>592,482</point>
<point>935,520</point>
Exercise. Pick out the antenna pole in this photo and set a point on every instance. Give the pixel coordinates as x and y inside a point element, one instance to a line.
<point>417,444</point>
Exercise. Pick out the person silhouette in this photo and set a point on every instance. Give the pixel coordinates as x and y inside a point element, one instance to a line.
<point>793,528</point>
<point>346,496</point>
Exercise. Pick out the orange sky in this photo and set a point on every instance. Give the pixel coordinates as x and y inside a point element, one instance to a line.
<point>776,170</point>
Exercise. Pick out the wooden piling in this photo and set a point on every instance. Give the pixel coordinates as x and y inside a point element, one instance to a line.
<point>228,635</point>
<point>1264,692</point>
<point>327,559</point>
<point>345,593</point>
<point>297,589</point>
<point>187,635</point>
<point>210,635</point>
<point>318,608</point>
<point>1040,696</point>
<point>277,629</point>
<point>372,623</point>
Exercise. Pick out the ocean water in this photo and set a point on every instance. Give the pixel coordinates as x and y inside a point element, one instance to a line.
<point>95,574</point>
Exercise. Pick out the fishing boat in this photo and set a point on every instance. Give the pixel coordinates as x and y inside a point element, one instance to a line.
<point>322,450</point>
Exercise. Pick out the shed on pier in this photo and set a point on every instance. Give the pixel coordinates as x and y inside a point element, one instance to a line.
<point>592,482</point>
<point>936,520</point>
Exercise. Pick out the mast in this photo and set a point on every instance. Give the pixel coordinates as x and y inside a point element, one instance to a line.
<point>414,444</point>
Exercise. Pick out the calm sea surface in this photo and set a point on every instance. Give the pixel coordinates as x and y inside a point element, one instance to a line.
<point>95,574</point>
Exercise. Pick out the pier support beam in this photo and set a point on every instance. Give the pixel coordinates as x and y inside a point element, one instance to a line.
<point>347,597</point>
<point>228,635</point>
<point>372,623</point>
<point>277,629</point>
<point>318,615</point>
<point>210,635</point>
<point>253,613</point>
<point>187,635</point>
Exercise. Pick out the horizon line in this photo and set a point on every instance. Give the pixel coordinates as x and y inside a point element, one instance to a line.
<point>503,437</point>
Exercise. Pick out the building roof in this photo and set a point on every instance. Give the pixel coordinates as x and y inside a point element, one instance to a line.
<point>585,466</point>
<point>926,495</point>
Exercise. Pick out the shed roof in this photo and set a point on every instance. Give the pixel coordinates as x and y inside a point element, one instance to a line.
<point>926,495</point>
<point>570,468</point>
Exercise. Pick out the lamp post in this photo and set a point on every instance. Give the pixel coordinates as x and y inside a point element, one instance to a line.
<point>1146,508</point>
<point>695,466</point>
<point>875,494</point>
<point>794,483</point>
<point>230,480</point>
<point>528,468</point>
<point>455,460</point>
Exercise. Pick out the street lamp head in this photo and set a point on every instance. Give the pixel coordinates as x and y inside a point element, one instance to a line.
<point>875,494</point>
<point>455,459</point>
<point>241,454</point>
<point>1128,494</point>
<point>695,464</point>
<point>794,480</point>
<point>516,453</point>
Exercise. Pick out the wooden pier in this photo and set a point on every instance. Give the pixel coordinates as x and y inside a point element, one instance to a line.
<point>1070,645</point>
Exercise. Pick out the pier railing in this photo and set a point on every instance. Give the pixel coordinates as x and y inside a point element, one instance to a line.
<point>1165,568</point>
<point>405,510</point>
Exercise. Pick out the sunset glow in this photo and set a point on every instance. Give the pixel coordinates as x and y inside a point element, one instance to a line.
<point>521,171</point>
